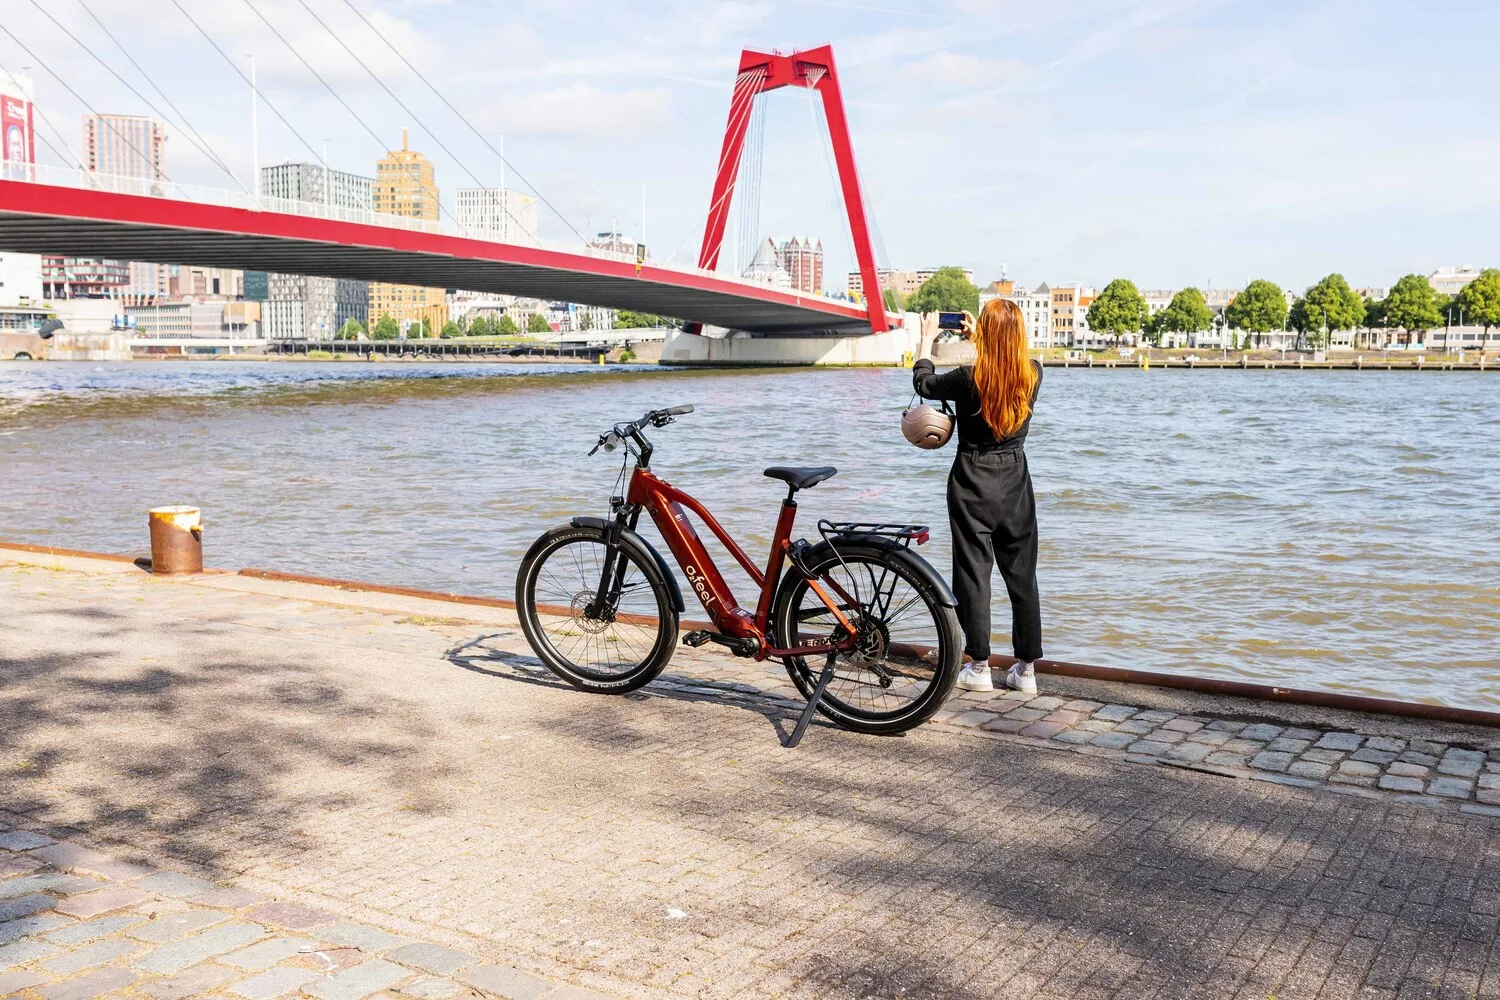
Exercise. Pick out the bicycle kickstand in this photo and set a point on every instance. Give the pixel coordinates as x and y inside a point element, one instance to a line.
<point>812,702</point>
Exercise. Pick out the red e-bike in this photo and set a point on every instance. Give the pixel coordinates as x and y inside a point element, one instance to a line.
<point>601,609</point>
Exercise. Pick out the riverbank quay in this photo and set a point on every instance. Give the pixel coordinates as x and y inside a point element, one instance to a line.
<point>405,764</point>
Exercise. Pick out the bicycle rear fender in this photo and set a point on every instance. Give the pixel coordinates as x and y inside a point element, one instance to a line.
<point>633,541</point>
<point>892,551</point>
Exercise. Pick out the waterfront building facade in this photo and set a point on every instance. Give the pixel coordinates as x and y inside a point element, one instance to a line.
<point>20,279</point>
<point>308,307</point>
<point>1070,316</point>
<point>497,214</point>
<point>305,307</point>
<point>902,282</point>
<point>802,260</point>
<point>406,185</point>
<point>1452,280</point>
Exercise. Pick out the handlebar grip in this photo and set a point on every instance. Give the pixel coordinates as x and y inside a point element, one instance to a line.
<point>675,410</point>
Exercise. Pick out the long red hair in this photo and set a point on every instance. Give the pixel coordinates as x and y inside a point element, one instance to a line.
<point>1004,376</point>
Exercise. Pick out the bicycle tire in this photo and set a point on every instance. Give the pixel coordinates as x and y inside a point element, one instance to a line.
<point>645,633</point>
<point>796,619</point>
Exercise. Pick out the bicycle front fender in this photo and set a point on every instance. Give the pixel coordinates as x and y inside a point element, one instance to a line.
<point>632,540</point>
<point>892,551</point>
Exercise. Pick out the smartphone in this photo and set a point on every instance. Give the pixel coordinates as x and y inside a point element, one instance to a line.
<point>950,321</point>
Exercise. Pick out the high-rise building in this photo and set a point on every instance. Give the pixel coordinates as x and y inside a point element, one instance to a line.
<point>128,146</point>
<point>803,261</point>
<point>307,307</point>
<point>315,184</point>
<point>406,185</point>
<point>497,214</point>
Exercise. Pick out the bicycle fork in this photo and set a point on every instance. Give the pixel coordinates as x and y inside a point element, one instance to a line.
<point>606,602</point>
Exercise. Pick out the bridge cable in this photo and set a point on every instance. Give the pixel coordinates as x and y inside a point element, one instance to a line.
<point>737,110</point>
<point>205,150</point>
<point>752,163</point>
<point>825,143</point>
<point>79,98</point>
<point>213,154</point>
<point>241,73</point>
<point>57,132</point>
<point>504,202</point>
<point>411,173</point>
<point>519,176</point>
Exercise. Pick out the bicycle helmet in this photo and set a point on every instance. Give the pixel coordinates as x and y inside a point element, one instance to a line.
<point>926,426</point>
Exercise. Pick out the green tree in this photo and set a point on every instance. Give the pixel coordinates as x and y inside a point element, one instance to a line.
<point>627,320</point>
<point>386,328</point>
<point>1186,313</point>
<point>538,324</point>
<point>948,290</point>
<point>1260,308</point>
<point>586,321</point>
<point>418,330</point>
<point>480,326</point>
<point>1480,301</point>
<point>1119,310</point>
<point>1330,304</point>
<point>450,330</point>
<point>506,327</point>
<point>894,300</point>
<point>1306,320</point>
<point>1413,305</point>
<point>352,329</point>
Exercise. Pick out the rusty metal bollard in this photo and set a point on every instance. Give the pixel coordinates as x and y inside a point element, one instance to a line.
<point>176,540</point>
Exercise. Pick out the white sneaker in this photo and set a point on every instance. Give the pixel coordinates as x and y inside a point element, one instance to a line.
<point>975,676</point>
<point>1022,679</point>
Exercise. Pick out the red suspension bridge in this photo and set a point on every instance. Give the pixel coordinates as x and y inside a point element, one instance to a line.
<point>50,210</point>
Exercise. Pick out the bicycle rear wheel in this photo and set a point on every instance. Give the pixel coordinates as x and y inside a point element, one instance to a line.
<point>908,656</point>
<point>557,585</point>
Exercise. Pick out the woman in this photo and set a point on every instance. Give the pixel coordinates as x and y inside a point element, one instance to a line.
<point>990,503</point>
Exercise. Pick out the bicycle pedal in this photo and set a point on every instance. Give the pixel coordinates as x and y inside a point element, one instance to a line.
<point>698,638</point>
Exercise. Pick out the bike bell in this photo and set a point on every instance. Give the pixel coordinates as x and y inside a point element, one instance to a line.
<point>926,426</point>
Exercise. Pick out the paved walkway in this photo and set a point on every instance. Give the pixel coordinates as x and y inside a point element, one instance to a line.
<point>393,785</point>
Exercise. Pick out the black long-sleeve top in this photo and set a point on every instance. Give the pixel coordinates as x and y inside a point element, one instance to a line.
<point>957,386</point>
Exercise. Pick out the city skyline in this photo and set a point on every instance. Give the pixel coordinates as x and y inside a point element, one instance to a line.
<point>1176,142</point>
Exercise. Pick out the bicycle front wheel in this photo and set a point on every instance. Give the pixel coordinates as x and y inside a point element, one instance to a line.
<point>556,600</point>
<point>906,662</point>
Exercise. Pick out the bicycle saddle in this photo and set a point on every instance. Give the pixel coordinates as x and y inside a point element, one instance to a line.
<point>799,478</point>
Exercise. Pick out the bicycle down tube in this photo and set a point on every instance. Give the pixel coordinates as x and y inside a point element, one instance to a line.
<point>669,507</point>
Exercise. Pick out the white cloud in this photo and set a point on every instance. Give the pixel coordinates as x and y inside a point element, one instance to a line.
<point>583,109</point>
<point>956,69</point>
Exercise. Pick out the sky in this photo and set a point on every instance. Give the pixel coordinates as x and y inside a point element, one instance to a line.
<point>1172,142</point>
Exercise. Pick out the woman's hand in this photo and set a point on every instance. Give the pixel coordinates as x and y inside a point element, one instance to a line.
<point>928,337</point>
<point>967,331</point>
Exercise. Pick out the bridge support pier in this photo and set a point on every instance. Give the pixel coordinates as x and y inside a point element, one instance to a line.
<point>889,349</point>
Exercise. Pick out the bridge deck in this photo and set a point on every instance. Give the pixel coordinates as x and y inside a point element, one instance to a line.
<point>44,218</point>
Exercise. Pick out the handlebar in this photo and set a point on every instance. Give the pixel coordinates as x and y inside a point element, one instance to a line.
<point>613,438</point>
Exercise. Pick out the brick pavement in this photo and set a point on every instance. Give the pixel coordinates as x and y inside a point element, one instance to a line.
<point>404,767</point>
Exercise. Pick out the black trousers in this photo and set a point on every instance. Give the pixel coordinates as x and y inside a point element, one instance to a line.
<point>993,513</point>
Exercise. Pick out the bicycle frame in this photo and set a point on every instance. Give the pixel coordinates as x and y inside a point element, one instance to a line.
<point>669,507</point>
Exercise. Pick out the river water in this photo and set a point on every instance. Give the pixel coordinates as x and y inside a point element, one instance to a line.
<point>1333,530</point>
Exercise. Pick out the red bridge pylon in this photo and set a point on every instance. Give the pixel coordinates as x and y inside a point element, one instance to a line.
<point>764,71</point>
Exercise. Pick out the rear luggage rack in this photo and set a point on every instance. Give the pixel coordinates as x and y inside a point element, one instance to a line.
<point>906,533</point>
